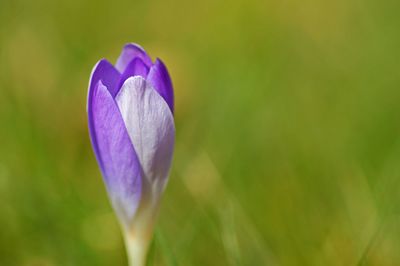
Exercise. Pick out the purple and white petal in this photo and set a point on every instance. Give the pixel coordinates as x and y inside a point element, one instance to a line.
<point>108,75</point>
<point>150,125</point>
<point>160,80</point>
<point>135,68</point>
<point>115,153</point>
<point>130,52</point>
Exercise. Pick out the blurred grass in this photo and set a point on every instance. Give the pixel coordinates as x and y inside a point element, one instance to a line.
<point>287,118</point>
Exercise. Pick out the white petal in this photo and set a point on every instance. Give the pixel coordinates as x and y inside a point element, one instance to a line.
<point>150,125</point>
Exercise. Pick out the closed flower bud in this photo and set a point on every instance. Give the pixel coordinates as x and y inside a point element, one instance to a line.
<point>131,124</point>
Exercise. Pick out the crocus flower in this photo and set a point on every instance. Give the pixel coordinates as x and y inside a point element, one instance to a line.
<point>130,113</point>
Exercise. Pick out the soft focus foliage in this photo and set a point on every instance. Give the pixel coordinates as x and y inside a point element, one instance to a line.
<point>288,131</point>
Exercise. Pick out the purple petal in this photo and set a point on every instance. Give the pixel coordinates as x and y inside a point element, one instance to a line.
<point>114,152</point>
<point>108,75</point>
<point>150,125</point>
<point>129,52</point>
<point>135,68</point>
<point>161,82</point>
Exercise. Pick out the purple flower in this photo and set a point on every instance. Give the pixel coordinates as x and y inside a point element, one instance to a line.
<point>130,112</point>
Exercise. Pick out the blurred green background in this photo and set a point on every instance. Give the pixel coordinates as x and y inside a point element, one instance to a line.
<point>288,131</point>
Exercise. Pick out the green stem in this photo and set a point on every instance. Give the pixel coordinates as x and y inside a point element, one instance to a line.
<point>136,247</point>
<point>139,233</point>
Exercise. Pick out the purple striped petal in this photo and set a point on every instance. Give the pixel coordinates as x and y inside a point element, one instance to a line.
<point>114,152</point>
<point>150,125</point>
<point>161,82</point>
<point>108,75</point>
<point>130,52</point>
<point>135,68</point>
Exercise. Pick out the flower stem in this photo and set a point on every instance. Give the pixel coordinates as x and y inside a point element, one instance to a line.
<point>136,248</point>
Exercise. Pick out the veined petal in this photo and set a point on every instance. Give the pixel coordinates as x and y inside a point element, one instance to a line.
<point>161,82</point>
<point>129,52</point>
<point>150,125</point>
<point>108,75</point>
<point>115,153</point>
<point>135,68</point>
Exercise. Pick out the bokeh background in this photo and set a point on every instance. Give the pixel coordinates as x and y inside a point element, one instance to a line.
<point>288,131</point>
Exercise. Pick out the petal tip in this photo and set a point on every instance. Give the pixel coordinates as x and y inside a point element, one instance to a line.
<point>134,46</point>
<point>161,81</point>
<point>130,52</point>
